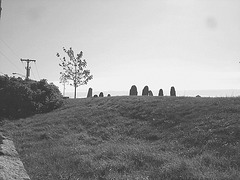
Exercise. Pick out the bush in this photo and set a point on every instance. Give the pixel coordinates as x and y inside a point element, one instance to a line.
<point>89,95</point>
<point>145,91</point>
<point>160,92</point>
<point>21,98</point>
<point>101,94</point>
<point>133,91</point>
<point>172,91</point>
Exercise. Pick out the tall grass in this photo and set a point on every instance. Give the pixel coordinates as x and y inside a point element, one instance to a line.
<point>170,138</point>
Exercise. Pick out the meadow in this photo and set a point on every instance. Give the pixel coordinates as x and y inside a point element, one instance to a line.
<point>132,137</point>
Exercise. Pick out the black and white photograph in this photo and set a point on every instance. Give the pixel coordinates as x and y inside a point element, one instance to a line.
<point>119,89</point>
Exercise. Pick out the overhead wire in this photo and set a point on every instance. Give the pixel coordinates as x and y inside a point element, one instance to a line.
<point>33,73</point>
<point>16,55</point>
<point>37,70</point>
<point>8,59</point>
<point>13,52</point>
<point>22,65</point>
<point>10,48</point>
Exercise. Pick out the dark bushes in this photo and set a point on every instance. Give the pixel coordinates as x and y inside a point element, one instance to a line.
<point>21,98</point>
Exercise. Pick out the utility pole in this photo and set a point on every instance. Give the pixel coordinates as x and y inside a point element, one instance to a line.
<point>63,80</point>
<point>28,67</point>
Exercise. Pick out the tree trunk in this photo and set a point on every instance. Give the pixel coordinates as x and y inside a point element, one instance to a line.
<point>75,81</point>
<point>75,91</point>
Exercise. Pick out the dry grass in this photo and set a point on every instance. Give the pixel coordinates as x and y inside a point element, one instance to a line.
<point>170,138</point>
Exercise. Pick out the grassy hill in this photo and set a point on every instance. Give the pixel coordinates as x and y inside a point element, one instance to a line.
<point>177,138</point>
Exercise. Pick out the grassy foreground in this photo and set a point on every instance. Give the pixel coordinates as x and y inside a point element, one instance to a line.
<point>168,138</point>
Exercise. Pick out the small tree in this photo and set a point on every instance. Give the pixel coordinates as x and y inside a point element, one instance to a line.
<point>74,69</point>
<point>172,91</point>
<point>145,91</point>
<point>133,91</point>
<point>160,92</point>
<point>89,95</point>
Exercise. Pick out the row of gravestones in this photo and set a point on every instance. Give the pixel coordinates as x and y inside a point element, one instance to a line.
<point>147,92</point>
<point>134,92</point>
<point>89,94</point>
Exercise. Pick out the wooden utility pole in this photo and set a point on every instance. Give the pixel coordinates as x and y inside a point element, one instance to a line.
<point>28,67</point>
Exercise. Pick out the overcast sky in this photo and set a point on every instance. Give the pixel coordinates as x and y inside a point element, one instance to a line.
<point>189,44</point>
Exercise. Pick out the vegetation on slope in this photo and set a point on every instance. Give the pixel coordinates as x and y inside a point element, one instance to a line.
<point>132,138</point>
<point>22,98</point>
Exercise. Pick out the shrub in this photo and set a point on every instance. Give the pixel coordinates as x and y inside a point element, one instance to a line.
<point>109,95</point>
<point>89,94</point>
<point>133,91</point>
<point>160,92</point>
<point>21,98</point>
<point>101,94</point>
<point>172,91</point>
<point>145,91</point>
<point>95,95</point>
<point>150,93</point>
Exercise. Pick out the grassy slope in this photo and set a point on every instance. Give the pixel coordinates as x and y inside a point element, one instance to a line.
<point>132,138</point>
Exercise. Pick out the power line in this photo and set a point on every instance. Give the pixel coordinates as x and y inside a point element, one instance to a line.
<point>37,70</point>
<point>15,54</point>
<point>10,61</point>
<point>22,65</point>
<point>33,74</point>
<point>10,49</point>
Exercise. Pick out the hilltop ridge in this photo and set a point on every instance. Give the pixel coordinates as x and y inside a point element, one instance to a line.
<point>132,137</point>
